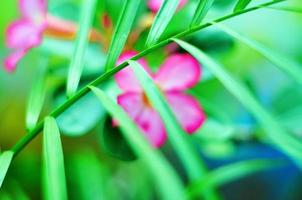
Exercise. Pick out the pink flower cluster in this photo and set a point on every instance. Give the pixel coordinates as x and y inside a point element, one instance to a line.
<point>26,32</point>
<point>178,73</point>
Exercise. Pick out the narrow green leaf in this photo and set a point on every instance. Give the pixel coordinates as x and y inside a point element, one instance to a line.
<point>77,62</point>
<point>161,21</point>
<point>54,172</point>
<point>288,143</point>
<point>232,172</point>
<point>179,139</point>
<point>286,8</point>
<point>122,31</point>
<point>284,63</point>
<point>201,11</point>
<point>241,5</point>
<point>164,175</point>
<point>5,160</point>
<point>36,99</point>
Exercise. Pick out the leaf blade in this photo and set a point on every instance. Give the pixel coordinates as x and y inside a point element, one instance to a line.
<point>77,63</point>
<point>36,99</point>
<point>54,171</point>
<point>122,31</point>
<point>168,182</point>
<point>161,21</point>
<point>201,11</point>
<point>274,57</point>
<point>5,160</point>
<point>241,5</point>
<point>286,142</point>
<point>232,172</point>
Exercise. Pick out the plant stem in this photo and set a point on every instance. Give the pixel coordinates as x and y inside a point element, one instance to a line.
<point>35,131</point>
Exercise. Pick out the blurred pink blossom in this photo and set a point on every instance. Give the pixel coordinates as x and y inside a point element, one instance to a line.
<point>26,32</point>
<point>154,5</point>
<point>178,73</point>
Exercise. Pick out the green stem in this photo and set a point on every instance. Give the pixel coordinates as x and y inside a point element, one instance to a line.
<point>34,132</point>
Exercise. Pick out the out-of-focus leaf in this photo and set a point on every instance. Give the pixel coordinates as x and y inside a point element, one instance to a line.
<point>179,139</point>
<point>241,5</point>
<point>81,117</point>
<point>87,170</point>
<point>77,61</point>
<point>122,31</point>
<point>282,139</point>
<point>36,98</point>
<point>161,21</point>
<point>114,143</point>
<point>288,66</point>
<point>5,160</point>
<point>232,172</point>
<point>201,11</point>
<point>165,177</point>
<point>94,59</point>
<point>53,166</point>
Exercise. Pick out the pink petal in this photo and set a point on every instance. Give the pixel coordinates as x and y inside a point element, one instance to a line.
<point>179,72</point>
<point>12,60</point>
<point>154,5</point>
<point>151,124</point>
<point>145,117</point>
<point>126,78</point>
<point>187,110</point>
<point>34,10</point>
<point>23,34</point>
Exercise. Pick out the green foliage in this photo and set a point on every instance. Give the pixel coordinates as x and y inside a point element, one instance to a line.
<point>161,21</point>
<point>202,9</point>
<point>230,173</point>
<point>5,160</point>
<point>53,162</point>
<point>165,177</point>
<point>122,31</point>
<point>283,62</point>
<point>288,143</point>
<point>242,4</point>
<point>77,61</point>
<point>36,98</point>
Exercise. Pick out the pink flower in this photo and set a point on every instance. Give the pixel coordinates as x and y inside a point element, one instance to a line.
<point>154,5</point>
<point>26,32</point>
<point>178,73</point>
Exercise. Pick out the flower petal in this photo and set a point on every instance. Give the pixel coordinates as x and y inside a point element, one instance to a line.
<point>154,5</point>
<point>126,78</point>
<point>12,60</point>
<point>151,124</point>
<point>132,103</point>
<point>145,117</point>
<point>23,34</point>
<point>179,72</point>
<point>34,10</point>
<point>187,110</point>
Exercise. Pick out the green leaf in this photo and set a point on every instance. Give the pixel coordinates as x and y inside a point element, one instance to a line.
<point>179,139</point>
<point>289,144</point>
<point>113,142</point>
<point>81,117</point>
<point>241,5</point>
<point>77,62</point>
<point>161,21</point>
<point>167,181</point>
<point>122,31</point>
<point>284,63</point>
<point>201,11</point>
<point>232,172</point>
<point>53,162</point>
<point>5,160</point>
<point>36,98</point>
